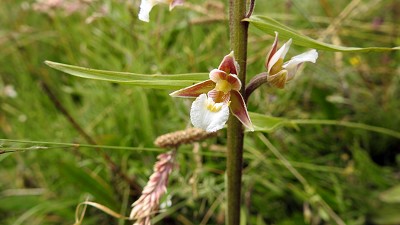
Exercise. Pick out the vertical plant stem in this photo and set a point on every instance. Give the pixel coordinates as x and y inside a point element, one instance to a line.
<point>238,41</point>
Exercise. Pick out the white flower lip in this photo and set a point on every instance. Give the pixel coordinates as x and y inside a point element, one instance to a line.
<point>145,8</point>
<point>309,56</point>
<point>292,65</point>
<point>208,115</point>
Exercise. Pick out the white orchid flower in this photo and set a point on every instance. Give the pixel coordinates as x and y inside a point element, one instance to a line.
<point>215,96</point>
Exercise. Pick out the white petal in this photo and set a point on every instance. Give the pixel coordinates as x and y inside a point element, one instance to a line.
<point>310,56</point>
<point>292,65</point>
<point>145,8</point>
<point>206,119</point>
<point>280,54</point>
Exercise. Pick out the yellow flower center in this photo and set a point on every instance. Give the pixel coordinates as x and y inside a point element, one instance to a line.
<point>212,106</point>
<point>277,67</point>
<point>223,86</point>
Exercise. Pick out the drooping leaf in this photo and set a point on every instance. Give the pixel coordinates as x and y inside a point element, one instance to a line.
<point>267,123</point>
<point>157,81</point>
<point>269,26</point>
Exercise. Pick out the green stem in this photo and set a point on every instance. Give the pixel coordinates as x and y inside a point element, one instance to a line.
<point>238,41</point>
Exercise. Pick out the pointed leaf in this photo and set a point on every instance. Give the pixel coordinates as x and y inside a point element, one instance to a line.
<point>268,124</point>
<point>143,80</point>
<point>269,26</point>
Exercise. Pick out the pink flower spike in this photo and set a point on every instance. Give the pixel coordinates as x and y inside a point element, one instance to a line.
<point>239,110</point>
<point>146,206</point>
<point>194,90</point>
<point>229,64</point>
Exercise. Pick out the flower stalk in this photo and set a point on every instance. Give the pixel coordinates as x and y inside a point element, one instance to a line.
<point>238,31</point>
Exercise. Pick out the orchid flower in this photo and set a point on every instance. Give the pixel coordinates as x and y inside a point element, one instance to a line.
<point>215,96</point>
<point>147,5</point>
<point>280,73</point>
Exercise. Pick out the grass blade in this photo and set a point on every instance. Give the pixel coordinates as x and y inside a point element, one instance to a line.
<point>269,26</point>
<point>157,81</point>
<point>269,123</point>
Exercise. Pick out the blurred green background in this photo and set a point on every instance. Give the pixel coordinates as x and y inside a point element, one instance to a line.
<point>346,174</point>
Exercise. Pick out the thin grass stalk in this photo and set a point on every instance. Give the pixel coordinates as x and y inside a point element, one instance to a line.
<point>238,41</point>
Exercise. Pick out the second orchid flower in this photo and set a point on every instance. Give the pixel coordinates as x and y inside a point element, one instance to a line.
<point>279,73</point>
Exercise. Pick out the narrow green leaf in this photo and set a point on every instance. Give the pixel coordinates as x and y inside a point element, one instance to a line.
<point>157,81</point>
<point>269,26</point>
<point>382,130</point>
<point>268,124</point>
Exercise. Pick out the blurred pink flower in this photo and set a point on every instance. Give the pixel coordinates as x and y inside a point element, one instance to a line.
<point>67,7</point>
<point>9,91</point>
<point>46,5</point>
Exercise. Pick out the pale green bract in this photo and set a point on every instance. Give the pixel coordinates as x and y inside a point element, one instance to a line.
<point>270,26</point>
<point>156,81</point>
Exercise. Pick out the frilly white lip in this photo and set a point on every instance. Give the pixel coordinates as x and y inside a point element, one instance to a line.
<point>292,65</point>
<point>208,115</point>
